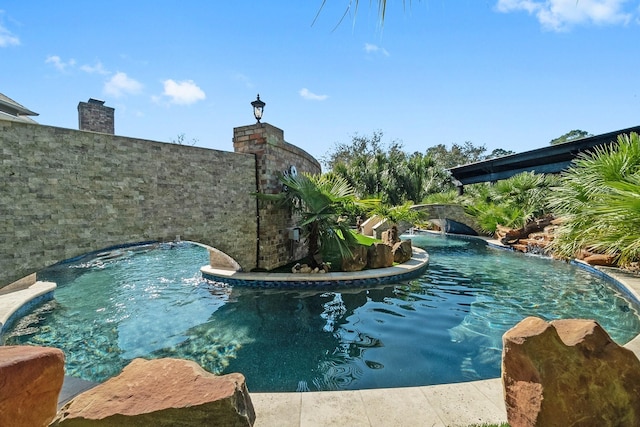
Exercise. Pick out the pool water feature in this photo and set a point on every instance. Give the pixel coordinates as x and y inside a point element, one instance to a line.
<point>443,327</point>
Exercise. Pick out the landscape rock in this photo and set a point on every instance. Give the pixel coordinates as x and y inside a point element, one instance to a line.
<point>568,373</point>
<point>162,392</point>
<point>402,251</point>
<point>30,381</point>
<point>379,255</point>
<point>391,237</point>
<point>532,238</point>
<point>305,269</point>
<point>357,261</point>
<point>600,259</point>
<point>511,236</point>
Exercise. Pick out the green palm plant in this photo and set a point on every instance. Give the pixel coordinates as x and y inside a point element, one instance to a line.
<point>511,202</point>
<point>320,201</point>
<point>444,197</point>
<point>598,200</point>
<point>397,214</point>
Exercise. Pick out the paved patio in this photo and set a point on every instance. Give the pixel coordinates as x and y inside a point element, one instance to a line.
<point>462,404</point>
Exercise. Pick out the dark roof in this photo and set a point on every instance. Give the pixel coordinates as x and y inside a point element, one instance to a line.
<point>11,107</point>
<point>552,159</point>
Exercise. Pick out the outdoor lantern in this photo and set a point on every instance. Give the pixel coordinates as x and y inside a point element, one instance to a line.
<point>258,107</point>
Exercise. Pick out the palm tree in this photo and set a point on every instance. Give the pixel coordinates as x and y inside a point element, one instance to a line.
<point>320,201</point>
<point>599,202</point>
<point>382,7</point>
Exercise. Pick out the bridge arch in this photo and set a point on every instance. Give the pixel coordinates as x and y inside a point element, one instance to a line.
<point>450,218</point>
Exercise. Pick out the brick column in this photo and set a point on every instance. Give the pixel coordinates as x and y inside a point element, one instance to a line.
<point>94,116</point>
<point>273,156</point>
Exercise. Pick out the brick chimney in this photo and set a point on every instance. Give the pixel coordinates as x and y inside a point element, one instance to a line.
<point>95,117</point>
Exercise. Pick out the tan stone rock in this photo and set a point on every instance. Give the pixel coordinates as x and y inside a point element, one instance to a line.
<point>568,373</point>
<point>402,251</point>
<point>391,236</point>
<point>30,381</point>
<point>520,247</point>
<point>357,261</point>
<point>534,242</point>
<point>379,255</point>
<point>162,392</point>
<point>600,259</point>
<point>305,269</point>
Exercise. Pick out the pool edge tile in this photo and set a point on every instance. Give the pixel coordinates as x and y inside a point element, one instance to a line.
<point>17,303</point>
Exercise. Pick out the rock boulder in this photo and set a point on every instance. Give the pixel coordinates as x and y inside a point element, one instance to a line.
<point>600,259</point>
<point>568,373</point>
<point>357,261</point>
<point>30,381</point>
<point>402,251</point>
<point>162,392</point>
<point>391,236</point>
<point>379,256</point>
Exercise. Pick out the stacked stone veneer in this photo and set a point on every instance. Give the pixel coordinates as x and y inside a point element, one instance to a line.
<point>67,192</point>
<point>96,117</point>
<point>274,156</point>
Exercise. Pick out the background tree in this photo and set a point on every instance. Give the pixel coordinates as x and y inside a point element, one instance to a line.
<point>570,136</point>
<point>439,178</point>
<point>499,152</point>
<point>458,154</point>
<point>387,172</point>
<point>378,170</point>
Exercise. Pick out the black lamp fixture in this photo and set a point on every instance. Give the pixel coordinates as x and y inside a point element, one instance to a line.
<point>258,108</point>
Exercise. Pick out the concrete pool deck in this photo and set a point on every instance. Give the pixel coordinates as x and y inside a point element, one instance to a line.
<point>458,404</point>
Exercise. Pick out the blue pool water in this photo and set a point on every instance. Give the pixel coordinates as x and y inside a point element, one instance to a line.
<point>443,327</point>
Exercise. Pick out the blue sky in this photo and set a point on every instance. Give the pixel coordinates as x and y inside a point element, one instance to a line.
<point>509,74</point>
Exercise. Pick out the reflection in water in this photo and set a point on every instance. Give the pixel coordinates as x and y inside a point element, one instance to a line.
<point>378,337</point>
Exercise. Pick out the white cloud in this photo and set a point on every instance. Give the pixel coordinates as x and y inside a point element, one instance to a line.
<point>98,68</point>
<point>58,63</point>
<point>183,93</point>
<point>372,48</point>
<point>560,15</point>
<point>7,38</point>
<point>121,84</point>
<point>307,94</point>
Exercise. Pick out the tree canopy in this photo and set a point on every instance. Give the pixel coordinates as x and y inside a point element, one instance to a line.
<point>570,136</point>
<point>385,171</point>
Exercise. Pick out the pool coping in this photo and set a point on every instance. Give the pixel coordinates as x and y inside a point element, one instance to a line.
<point>15,304</point>
<point>410,269</point>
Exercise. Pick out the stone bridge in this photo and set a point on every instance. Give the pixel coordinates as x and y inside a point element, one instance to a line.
<point>449,218</point>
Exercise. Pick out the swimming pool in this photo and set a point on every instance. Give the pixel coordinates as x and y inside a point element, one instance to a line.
<point>443,327</point>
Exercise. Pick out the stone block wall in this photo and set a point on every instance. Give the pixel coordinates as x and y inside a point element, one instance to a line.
<point>65,193</point>
<point>274,156</point>
<point>94,116</point>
